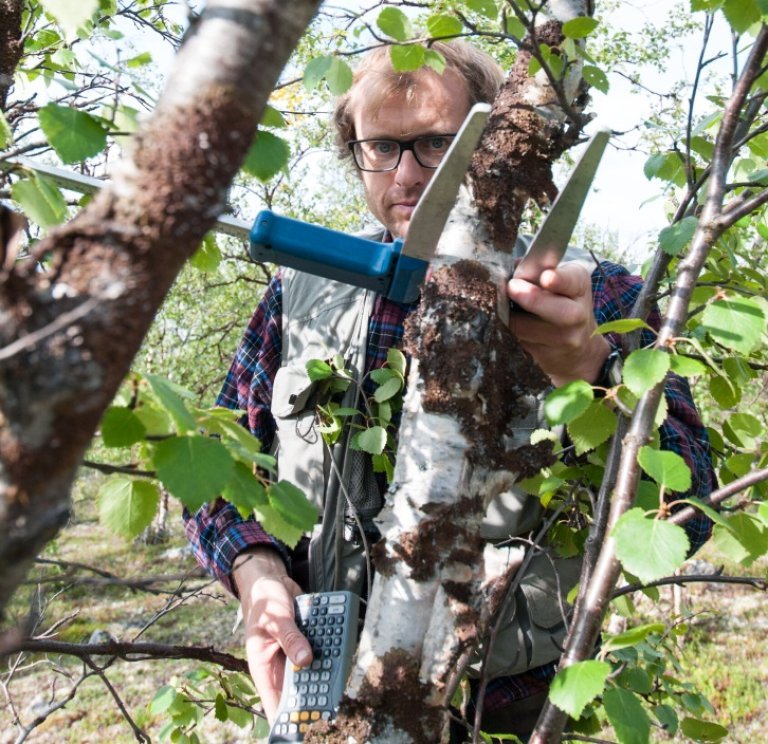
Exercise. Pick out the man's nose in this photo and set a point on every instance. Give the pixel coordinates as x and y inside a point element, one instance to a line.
<point>409,172</point>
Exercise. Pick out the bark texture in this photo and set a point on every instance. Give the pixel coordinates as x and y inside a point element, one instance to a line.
<point>68,336</point>
<point>11,45</point>
<point>434,594</point>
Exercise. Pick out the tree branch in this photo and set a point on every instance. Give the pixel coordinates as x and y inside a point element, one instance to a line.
<point>129,651</point>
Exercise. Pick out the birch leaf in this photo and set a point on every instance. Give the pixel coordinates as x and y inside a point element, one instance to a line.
<point>371,440</point>
<point>244,490</point>
<point>407,57</point>
<point>194,469</point>
<point>267,156</point>
<point>395,24</point>
<point>645,368</point>
<point>127,506</point>
<point>75,135</point>
<point>736,322</point>
<point>668,469</point>
<point>121,427</point>
<point>441,25</point>
<point>592,428</point>
<point>315,71</point>
<point>649,548</point>
<point>170,396</point>
<point>292,505</point>
<point>568,402</point>
<point>627,716</point>
<point>40,200</point>
<point>698,730</point>
<point>577,685</point>
<point>674,238</point>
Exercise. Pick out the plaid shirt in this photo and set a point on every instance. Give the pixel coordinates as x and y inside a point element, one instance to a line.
<point>218,533</point>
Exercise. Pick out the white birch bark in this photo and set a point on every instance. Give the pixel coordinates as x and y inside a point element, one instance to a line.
<point>422,622</point>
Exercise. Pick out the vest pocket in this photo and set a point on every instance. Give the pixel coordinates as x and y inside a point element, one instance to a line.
<point>533,629</point>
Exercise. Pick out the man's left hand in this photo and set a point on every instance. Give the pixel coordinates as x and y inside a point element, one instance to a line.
<point>558,325</point>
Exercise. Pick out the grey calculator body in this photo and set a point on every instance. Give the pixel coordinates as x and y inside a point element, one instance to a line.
<point>329,620</point>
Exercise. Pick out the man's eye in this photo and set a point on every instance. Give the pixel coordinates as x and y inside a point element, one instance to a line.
<point>438,144</point>
<point>383,147</point>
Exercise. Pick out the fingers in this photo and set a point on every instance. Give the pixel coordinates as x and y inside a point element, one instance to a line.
<point>271,634</point>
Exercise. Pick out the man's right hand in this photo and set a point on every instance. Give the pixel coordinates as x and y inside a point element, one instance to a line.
<point>266,596</point>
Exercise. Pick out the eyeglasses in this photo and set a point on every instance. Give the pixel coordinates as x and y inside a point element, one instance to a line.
<point>378,155</point>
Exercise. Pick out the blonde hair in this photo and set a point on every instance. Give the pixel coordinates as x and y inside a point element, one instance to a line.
<point>481,74</point>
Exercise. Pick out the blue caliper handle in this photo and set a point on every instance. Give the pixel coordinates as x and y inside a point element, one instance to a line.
<point>336,255</point>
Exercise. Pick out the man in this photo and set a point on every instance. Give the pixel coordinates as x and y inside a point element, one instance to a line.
<point>396,127</point>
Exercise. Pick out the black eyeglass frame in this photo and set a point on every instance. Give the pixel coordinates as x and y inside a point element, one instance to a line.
<point>403,145</point>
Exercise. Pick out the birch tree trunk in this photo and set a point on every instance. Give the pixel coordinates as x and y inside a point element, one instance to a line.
<point>68,335</point>
<point>470,383</point>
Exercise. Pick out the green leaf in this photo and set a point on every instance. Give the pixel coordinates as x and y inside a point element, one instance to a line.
<point>371,440</point>
<point>292,505</point>
<point>667,717</point>
<point>441,25</point>
<point>220,707</point>
<point>407,57</point>
<point>666,166</point>
<point>741,14</point>
<point>244,490</point>
<point>627,716</point>
<point>685,366</point>
<point>75,135</point>
<point>317,370</point>
<point>744,540</point>
<point>267,156</point>
<point>674,238</point>
<point>595,77</point>
<point>315,71</point>
<point>724,392</point>
<point>487,8</point>
<point>742,429</point>
<point>396,361</point>
<point>127,506</point>
<point>121,427</point>
<point>272,118</point>
<point>631,637</point>
<point>6,135</point>
<point>40,200</point>
<point>395,24</point>
<point>735,322</point>
<point>592,428</point>
<point>649,548</point>
<point>70,14</point>
<point>239,716</point>
<point>194,469</point>
<point>699,730</point>
<point>625,325</point>
<point>338,77</point>
<point>515,27</point>
<point>139,60</point>
<point>578,28</point>
<point>568,402</point>
<point>667,468</point>
<point>208,256</point>
<point>577,685</point>
<point>645,368</point>
<point>435,60</point>
<point>388,390</point>
<point>276,526</point>
<point>170,397</point>
<point>164,698</point>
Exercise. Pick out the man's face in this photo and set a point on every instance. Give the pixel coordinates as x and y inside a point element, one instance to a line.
<point>440,106</point>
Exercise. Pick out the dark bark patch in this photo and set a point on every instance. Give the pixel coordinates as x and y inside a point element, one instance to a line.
<point>514,161</point>
<point>386,701</point>
<point>474,368</point>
